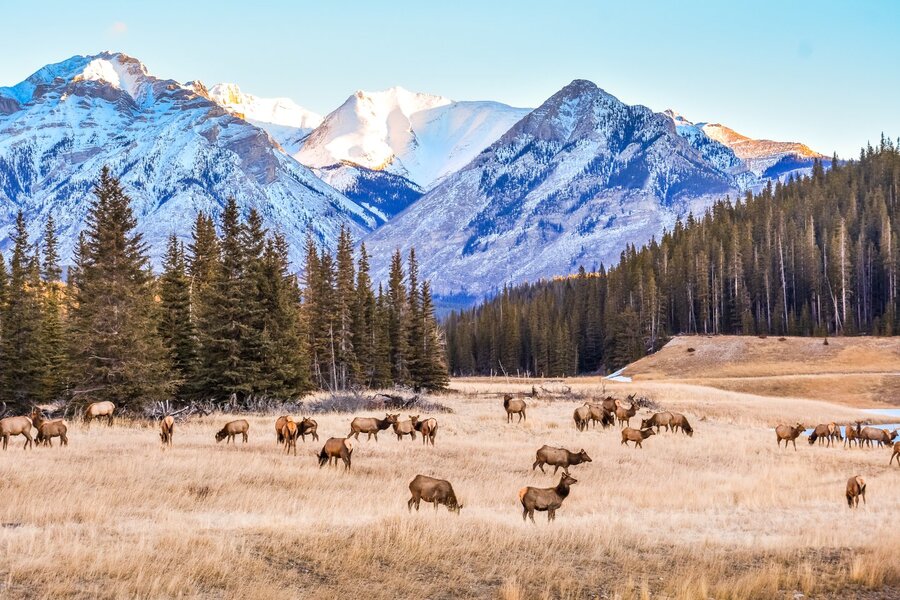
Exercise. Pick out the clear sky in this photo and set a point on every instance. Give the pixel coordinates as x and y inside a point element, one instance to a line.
<point>826,73</point>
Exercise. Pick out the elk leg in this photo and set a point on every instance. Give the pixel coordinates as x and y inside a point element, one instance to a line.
<point>531,515</point>
<point>555,469</point>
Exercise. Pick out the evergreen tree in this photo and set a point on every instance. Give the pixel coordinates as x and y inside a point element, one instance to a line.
<point>364,320</point>
<point>175,326</point>
<point>434,374</point>
<point>417,361</point>
<point>381,334</point>
<point>344,306</point>
<point>398,321</point>
<point>53,341</point>
<point>116,351</point>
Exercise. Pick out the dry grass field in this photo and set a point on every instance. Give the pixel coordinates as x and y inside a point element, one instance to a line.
<point>724,514</point>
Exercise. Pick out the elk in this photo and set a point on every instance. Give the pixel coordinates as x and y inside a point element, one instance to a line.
<point>279,424</point>
<point>600,414</point>
<point>558,457</point>
<point>624,414</point>
<point>308,427</point>
<point>371,426</point>
<point>658,420</point>
<point>856,488</point>
<point>896,454</point>
<point>335,448</point>
<point>513,406</point>
<point>241,426</point>
<point>290,432</point>
<point>582,417</point>
<point>545,499</point>
<point>402,428</point>
<point>48,429</point>
<point>98,410</point>
<point>429,489</point>
<point>824,432</point>
<point>636,435</point>
<point>167,430</point>
<point>873,434</point>
<point>428,429</point>
<point>679,421</point>
<point>16,426</point>
<point>788,434</point>
<point>851,434</point>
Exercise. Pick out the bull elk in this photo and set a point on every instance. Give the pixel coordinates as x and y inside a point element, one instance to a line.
<point>428,429</point>
<point>402,428</point>
<point>436,491</point>
<point>636,435</point>
<point>334,449</point>
<point>788,434</point>
<point>558,457</point>
<point>514,406</point>
<point>371,426</point>
<point>545,499</point>
<point>241,426</point>
<point>98,410</point>
<point>48,429</point>
<point>856,488</point>
<point>16,426</point>
<point>167,430</point>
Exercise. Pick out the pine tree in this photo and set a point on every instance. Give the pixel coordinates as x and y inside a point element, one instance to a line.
<point>381,358</point>
<point>417,360</point>
<point>398,321</point>
<point>434,374</point>
<point>116,351</point>
<point>53,342</point>
<point>175,326</point>
<point>364,320</point>
<point>251,281</point>
<point>345,300</point>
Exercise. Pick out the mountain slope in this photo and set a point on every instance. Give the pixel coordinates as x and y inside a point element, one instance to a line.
<point>285,120</point>
<point>176,151</point>
<point>420,137</point>
<point>571,183</point>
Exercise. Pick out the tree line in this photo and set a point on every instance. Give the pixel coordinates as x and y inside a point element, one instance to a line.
<point>817,255</point>
<point>226,318</point>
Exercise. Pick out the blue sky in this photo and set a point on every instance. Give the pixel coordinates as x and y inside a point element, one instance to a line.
<point>826,73</point>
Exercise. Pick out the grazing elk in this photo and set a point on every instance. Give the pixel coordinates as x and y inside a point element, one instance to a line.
<point>582,417</point>
<point>679,421</point>
<point>428,429</point>
<point>308,427</point>
<point>851,434</point>
<point>290,432</point>
<point>873,434</point>
<point>600,414</point>
<point>241,426</point>
<point>334,449</point>
<point>896,454</point>
<point>16,426</point>
<point>624,414</point>
<point>279,425</point>
<point>545,499</point>
<point>167,430</point>
<point>48,429</point>
<point>558,457</point>
<point>513,406</point>
<point>636,435</point>
<point>788,434</point>
<point>856,488</point>
<point>402,428</point>
<point>658,420</point>
<point>371,426</point>
<point>98,410</point>
<point>824,432</point>
<point>429,489</point>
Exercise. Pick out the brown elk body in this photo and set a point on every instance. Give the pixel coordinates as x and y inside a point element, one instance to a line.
<point>429,489</point>
<point>873,434</point>
<point>788,433</point>
<point>824,432</point>
<point>279,425</point>
<point>334,449</point>
<point>308,427</point>
<point>241,426</point>
<point>658,420</point>
<point>600,414</point>
<point>896,454</point>
<point>402,428</point>
<point>636,435</point>
<point>624,414</point>
<point>167,430</point>
<point>11,426</point>
<point>679,421</point>
<point>545,499</point>
<point>428,429</point>
<point>514,406</point>
<point>47,429</point>
<point>582,417</point>
<point>856,488</point>
<point>558,457</point>
<point>851,434</point>
<point>290,432</point>
<point>371,426</point>
<point>99,410</point>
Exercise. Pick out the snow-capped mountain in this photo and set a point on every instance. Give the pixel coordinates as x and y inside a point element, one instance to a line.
<point>176,152</point>
<point>570,184</point>
<point>420,137</point>
<point>763,159</point>
<point>285,120</point>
